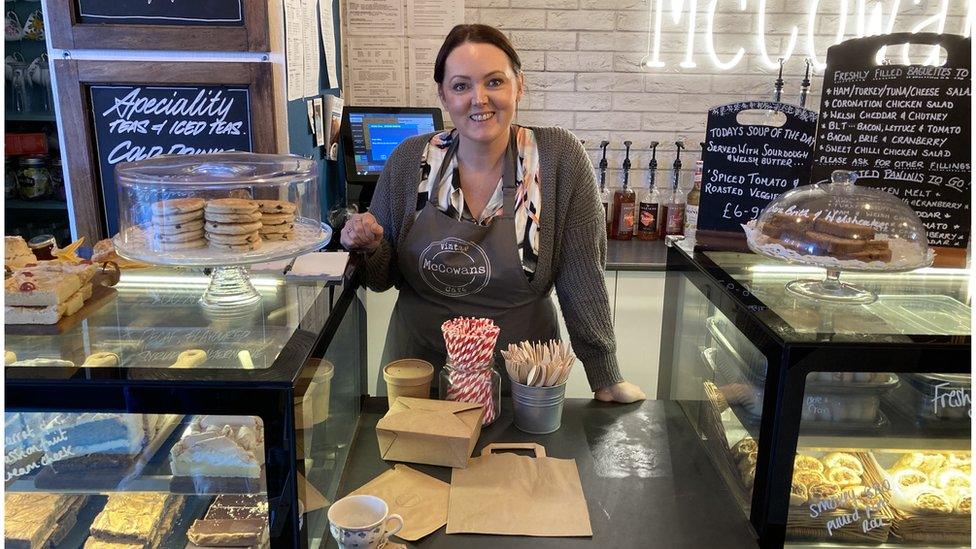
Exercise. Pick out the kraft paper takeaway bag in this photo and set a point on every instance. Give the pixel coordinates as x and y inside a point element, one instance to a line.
<point>420,499</point>
<point>510,494</point>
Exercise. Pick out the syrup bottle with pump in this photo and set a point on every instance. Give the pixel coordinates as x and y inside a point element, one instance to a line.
<point>624,199</point>
<point>604,191</point>
<point>649,219</point>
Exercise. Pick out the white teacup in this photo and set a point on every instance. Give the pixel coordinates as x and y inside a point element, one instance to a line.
<point>361,522</point>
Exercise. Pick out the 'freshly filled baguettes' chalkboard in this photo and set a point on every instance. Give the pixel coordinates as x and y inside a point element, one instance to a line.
<point>905,129</point>
<point>195,13</point>
<point>748,163</point>
<point>137,122</point>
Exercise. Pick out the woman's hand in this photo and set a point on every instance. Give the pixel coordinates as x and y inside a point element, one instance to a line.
<point>361,233</point>
<point>623,392</point>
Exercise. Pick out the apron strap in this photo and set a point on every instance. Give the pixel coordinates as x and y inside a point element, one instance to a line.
<point>448,157</point>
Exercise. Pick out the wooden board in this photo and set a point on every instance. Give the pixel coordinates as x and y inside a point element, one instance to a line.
<point>100,296</point>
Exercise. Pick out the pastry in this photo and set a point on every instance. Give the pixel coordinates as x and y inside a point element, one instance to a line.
<point>37,520</point>
<point>798,494</point>
<point>926,462</point>
<point>950,478</point>
<point>219,453</point>
<point>748,462</point>
<point>177,218</point>
<point>861,497</point>
<point>958,459</point>
<point>961,499</point>
<point>136,518</point>
<point>843,476</point>
<point>238,520</point>
<point>276,206</point>
<point>283,228</point>
<point>807,463</point>
<point>102,359</point>
<point>926,499</point>
<point>177,206</point>
<point>231,206</point>
<point>822,491</point>
<point>179,228</point>
<point>38,287</point>
<point>190,359</point>
<point>89,441</point>
<point>278,236</point>
<point>743,448</point>
<point>905,477</point>
<point>176,246</point>
<point>188,236</point>
<point>232,228</point>
<point>842,459</point>
<point>809,478</point>
<point>248,238</point>
<point>16,253</point>
<point>237,247</point>
<point>234,218</point>
<point>9,357</point>
<point>277,219</point>
<point>50,314</point>
<point>844,230</point>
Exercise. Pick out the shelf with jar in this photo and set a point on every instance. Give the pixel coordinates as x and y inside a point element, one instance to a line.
<point>780,385</point>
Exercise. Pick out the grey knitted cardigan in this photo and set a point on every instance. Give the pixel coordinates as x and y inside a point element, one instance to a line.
<point>572,242</point>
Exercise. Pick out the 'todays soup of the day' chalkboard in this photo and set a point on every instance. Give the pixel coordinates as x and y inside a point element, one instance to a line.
<point>905,129</point>
<point>137,122</point>
<point>748,163</point>
<point>166,12</point>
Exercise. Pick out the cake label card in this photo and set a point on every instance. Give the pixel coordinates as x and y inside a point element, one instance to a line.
<point>138,122</point>
<point>903,128</point>
<point>754,151</point>
<point>225,13</point>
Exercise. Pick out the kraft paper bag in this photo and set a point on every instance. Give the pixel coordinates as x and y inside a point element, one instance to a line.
<point>421,500</point>
<point>509,494</point>
<point>434,432</point>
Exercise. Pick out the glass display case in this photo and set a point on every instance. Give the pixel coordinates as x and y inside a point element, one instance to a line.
<point>155,421</point>
<point>832,424</point>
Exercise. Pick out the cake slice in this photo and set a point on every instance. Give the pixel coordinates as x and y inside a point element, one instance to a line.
<point>232,521</point>
<point>219,453</point>
<point>35,520</point>
<point>95,440</point>
<point>852,231</point>
<point>135,519</point>
<point>826,244</point>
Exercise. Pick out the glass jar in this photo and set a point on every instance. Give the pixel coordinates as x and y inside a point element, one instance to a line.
<point>33,177</point>
<point>9,178</point>
<point>479,384</point>
<point>57,179</point>
<point>43,246</point>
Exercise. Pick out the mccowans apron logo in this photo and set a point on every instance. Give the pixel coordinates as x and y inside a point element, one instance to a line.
<point>455,267</point>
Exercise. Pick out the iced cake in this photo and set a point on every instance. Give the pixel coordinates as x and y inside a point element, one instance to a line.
<point>219,454</point>
<point>86,441</point>
<point>232,521</point>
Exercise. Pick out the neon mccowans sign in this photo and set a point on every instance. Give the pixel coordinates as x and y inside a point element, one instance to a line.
<point>871,17</point>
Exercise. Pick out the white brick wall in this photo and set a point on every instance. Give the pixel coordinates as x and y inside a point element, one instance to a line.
<point>583,63</point>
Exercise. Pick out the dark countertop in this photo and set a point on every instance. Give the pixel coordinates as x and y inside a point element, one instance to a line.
<point>636,255</point>
<point>647,480</point>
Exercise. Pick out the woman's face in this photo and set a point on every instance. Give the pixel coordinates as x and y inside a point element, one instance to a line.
<point>480,91</point>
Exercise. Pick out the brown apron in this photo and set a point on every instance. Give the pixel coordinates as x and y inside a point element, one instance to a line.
<point>457,268</point>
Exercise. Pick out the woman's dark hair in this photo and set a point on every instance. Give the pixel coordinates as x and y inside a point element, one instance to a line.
<point>479,34</point>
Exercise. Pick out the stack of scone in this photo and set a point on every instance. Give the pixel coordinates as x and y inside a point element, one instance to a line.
<point>178,224</point>
<point>233,224</point>
<point>277,219</point>
<point>46,292</point>
<point>16,253</point>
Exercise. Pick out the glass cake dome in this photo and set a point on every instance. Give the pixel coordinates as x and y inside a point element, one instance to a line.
<point>841,227</point>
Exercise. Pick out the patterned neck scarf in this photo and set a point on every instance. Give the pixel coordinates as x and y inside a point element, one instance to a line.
<point>528,195</point>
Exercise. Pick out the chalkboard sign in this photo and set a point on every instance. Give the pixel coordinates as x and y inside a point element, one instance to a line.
<point>136,122</point>
<point>904,128</point>
<point>748,163</point>
<point>195,13</point>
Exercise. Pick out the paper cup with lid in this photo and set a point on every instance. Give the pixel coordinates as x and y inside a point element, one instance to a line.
<point>409,377</point>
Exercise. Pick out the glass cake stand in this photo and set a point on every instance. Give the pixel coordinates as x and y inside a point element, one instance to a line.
<point>230,286</point>
<point>168,194</point>
<point>840,227</point>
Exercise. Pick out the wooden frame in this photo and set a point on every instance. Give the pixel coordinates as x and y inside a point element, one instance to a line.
<point>68,32</point>
<point>74,78</point>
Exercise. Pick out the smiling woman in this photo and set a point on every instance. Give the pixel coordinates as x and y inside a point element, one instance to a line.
<point>499,215</point>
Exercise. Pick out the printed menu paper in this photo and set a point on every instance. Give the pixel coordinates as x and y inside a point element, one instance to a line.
<point>423,89</point>
<point>310,47</point>
<point>374,18</point>
<point>327,29</point>
<point>433,17</point>
<point>376,71</point>
<point>295,49</point>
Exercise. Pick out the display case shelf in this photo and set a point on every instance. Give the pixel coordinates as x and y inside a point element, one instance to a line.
<point>35,204</point>
<point>13,116</point>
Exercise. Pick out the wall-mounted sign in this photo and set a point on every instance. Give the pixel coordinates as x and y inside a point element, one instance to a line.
<point>747,164</point>
<point>172,12</point>
<point>905,129</point>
